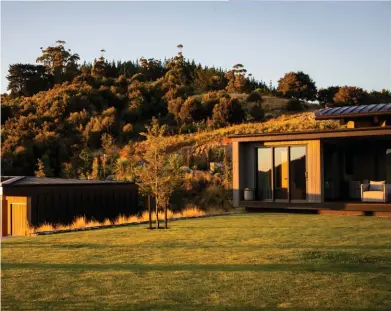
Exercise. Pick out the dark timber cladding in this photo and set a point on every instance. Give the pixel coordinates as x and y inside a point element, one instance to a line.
<point>60,201</point>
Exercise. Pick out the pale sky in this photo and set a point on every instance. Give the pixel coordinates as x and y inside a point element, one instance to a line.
<point>336,43</point>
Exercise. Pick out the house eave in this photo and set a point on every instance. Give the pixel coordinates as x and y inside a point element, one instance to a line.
<point>315,134</point>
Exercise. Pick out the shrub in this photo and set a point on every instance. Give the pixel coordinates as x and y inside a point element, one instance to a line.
<point>221,112</point>
<point>214,197</point>
<point>237,112</point>
<point>254,96</point>
<point>191,110</point>
<point>254,112</point>
<point>294,105</point>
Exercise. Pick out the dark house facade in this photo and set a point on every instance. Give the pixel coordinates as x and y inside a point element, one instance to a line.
<point>328,169</point>
<point>31,201</point>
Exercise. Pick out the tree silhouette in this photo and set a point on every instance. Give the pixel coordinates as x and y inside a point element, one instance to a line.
<point>297,85</point>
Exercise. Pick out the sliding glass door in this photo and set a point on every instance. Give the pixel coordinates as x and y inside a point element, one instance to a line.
<point>264,174</point>
<point>297,176</point>
<point>281,173</point>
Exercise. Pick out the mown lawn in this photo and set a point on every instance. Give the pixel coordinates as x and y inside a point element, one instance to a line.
<point>237,262</point>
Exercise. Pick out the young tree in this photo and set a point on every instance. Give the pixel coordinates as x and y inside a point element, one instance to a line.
<point>96,172</point>
<point>40,172</point>
<point>158,175</point>
<point>86,160</point>
<point>43,167</point>
<point>297,85</point>
<point>227,169</point>
<point>67,170</point>
<point>123,170</point>
<point>174,181</point>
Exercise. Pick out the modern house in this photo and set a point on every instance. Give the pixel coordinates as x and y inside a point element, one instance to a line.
<point>28,202</point>
<point>319,170</point>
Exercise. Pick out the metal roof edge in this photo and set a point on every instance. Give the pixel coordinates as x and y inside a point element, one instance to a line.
<point>314,131</point>
<point>319,117</point>
<point>12,180</point>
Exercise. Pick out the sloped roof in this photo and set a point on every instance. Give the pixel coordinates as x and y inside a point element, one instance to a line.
<point>35,181</point>
<point>353,111</point>
<point>5,178</point>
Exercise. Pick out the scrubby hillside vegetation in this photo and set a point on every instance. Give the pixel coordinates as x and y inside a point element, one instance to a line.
<point>62,118</point>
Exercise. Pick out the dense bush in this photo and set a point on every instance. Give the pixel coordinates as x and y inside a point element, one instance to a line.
<point>254,112</point>
<point>254,96</point>
<point>65,111</point>
<point>294,105</point>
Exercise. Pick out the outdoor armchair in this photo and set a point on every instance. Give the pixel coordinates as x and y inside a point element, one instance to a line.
<point>374,192</point>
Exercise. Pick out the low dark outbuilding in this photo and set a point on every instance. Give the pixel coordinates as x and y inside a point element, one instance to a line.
<point>32,201</point>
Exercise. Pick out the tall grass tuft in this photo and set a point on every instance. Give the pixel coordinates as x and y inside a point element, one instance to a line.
<point>82,222</point>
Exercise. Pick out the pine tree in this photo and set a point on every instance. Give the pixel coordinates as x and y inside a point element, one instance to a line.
<point>44,168</point>
<point>99,66</point>
<point>40,172</point>
<point>236,79</point>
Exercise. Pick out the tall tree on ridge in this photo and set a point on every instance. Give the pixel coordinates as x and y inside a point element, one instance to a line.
<point>236,79</point>
<point>297,85</point>
<point>350,96</point>
<point>177,81</point>
<point>61,63</point>
<point>27,79</point>
<point>98,69</point>
<point>326,96</point>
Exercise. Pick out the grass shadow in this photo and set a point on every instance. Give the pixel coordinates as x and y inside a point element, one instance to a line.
<point>334,268</point>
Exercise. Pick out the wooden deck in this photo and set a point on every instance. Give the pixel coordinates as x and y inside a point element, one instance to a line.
<point>325,208</point>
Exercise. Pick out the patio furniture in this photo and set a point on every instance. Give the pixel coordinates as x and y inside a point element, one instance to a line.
<point>375,191</point>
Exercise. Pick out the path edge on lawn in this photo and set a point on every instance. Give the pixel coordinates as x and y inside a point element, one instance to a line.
<point>135,223</point>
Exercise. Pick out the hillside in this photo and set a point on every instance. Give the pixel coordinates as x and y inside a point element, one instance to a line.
<point>59,121</point>
<point>66,119</point>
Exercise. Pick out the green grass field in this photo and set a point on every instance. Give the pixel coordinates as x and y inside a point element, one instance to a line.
<point>237,262</point>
